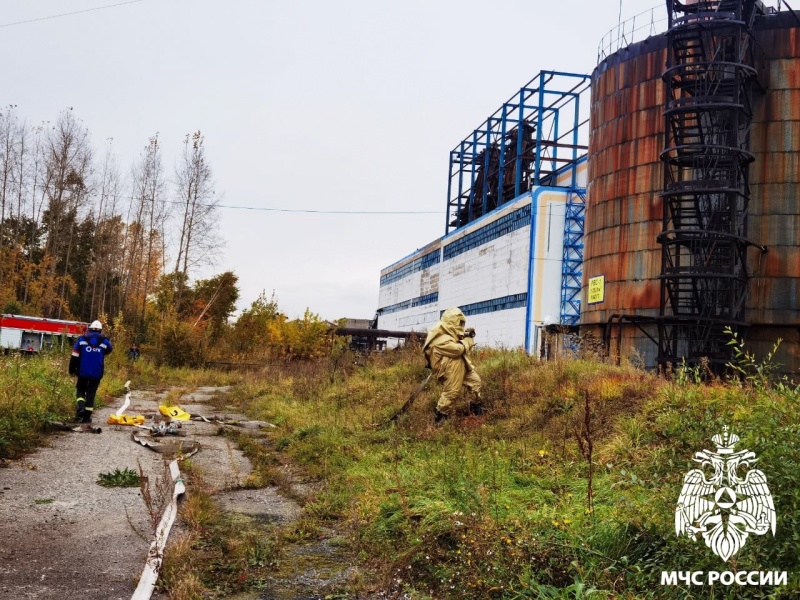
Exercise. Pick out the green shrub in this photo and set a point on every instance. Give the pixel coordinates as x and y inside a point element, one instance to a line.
<point>117,478</point>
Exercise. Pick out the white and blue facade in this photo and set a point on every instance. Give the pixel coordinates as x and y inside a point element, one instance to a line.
<point>512,253</point>
<point>505,270</point>
<point>511,257</point>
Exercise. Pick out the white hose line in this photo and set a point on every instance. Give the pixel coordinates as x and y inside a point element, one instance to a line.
<point>127,402</point>
<point>147,582</point>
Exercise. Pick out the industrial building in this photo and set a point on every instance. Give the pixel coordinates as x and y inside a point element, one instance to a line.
<point>667,217</point>
<point>514,210</point>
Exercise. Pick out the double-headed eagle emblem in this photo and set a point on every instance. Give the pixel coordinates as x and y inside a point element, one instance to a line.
<point>725,500</point>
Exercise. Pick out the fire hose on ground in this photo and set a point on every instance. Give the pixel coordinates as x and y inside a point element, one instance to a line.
<point>155,556</point>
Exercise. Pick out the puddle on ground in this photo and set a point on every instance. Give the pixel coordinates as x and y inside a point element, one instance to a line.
<point>306,570</point>
<point>309,571</point>
<point>312,570</point>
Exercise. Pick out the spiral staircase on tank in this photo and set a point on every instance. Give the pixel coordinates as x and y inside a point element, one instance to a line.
<point>709,81</point>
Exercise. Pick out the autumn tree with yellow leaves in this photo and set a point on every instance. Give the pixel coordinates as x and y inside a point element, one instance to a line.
<point>81,240</point>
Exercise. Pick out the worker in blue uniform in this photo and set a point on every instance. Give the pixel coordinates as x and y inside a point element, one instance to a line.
<point>87,363</point>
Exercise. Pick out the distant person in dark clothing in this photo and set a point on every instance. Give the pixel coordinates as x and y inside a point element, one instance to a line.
<point>133,353</point>
<point>88,362</point>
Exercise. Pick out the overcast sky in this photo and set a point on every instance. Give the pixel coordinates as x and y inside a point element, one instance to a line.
<point>305,104</point>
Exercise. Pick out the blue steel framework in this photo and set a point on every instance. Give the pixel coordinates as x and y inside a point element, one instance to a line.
<point>523,144</point>
<point>572,262</point>
<point>532,140</point>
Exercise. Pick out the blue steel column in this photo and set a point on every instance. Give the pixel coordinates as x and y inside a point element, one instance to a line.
<point>520,139</point>
<point>576,98</point>
<point>531,246</point>
<point>486,163</point>
<point>574,221</point>
<point>539,118</point>
<point>502,166</point>
<point>460,182</point>
<point>471,200</point>
<point>449,194</point>
<point>554,157</point>
<point>572,258</point>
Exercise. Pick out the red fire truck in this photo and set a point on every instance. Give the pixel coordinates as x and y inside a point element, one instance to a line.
<point>33,334</point>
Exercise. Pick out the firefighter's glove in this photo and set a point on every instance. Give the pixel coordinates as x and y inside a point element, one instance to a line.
<point>468,343</point>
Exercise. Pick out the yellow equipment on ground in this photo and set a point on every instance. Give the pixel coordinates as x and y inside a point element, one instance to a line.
<point>126,420</point>
<point>174,412</point>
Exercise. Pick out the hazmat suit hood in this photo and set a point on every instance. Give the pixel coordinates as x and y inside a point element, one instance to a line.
<point>452,323</point>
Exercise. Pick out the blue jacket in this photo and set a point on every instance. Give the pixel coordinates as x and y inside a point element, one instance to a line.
<point>88,355</point>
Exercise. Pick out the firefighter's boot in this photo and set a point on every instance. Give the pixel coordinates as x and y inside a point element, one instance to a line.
<point>80,412</point>
<point>476,408</point>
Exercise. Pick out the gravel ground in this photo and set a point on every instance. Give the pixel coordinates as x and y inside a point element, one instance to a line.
<point>63,536</point>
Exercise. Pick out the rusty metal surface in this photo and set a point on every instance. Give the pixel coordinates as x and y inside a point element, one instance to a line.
<point>775,184</point>
<point>624,210</point>
<point>628,344</point>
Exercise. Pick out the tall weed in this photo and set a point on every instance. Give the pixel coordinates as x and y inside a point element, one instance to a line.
<point>33,391</point>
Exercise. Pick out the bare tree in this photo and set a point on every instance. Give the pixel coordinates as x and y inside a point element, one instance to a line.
<point>7,129</point>
<point>198,239</point>
<point>39,186</point>
<point>107,240</point>
<point>21,234</point>
<point>8,133</point>
<point>21,167</point>
<point>68,156</point>
<point>66,246</point>
<point>145,231</point>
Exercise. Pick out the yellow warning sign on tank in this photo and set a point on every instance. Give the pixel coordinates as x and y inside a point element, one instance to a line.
<point>597,289</point>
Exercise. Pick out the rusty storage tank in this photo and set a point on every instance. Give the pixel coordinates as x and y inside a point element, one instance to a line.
<point>625,210</point>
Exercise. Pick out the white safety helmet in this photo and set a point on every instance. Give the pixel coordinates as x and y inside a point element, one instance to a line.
<point>96,326</point>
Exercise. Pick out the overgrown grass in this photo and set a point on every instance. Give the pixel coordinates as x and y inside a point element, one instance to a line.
<point>217,554</point>
<point>146,374</point>
<point>33,391</point>
<point>498,506</point>
<point>490,507</point>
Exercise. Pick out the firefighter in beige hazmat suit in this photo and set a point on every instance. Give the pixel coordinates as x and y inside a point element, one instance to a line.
<point>445,350</point>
